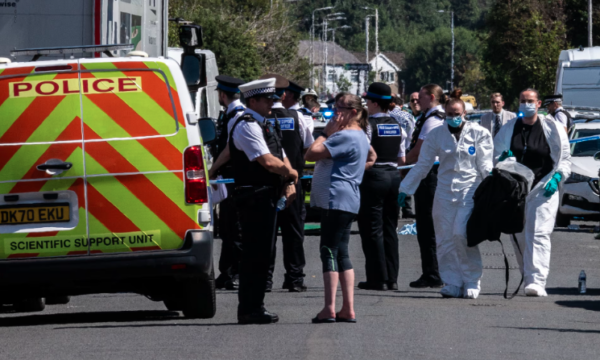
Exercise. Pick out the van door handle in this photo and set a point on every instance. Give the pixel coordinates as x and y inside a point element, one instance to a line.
<point>59,166</point>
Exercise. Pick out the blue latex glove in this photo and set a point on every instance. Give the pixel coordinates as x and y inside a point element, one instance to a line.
<point>505,154</point>
<point>402,199</point>
<point>552,185</point>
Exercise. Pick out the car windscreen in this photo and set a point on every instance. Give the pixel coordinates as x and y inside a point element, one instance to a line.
<point>585,148</point>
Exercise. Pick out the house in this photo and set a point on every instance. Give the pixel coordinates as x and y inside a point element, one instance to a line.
<point>339,65</point>
<point>389,65</point>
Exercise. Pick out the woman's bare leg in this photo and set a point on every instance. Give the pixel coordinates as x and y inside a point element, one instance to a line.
<point>330,280</point>
<point>347,282</point>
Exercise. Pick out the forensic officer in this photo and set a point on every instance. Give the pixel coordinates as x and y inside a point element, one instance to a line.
<point>554,105</point>
<point>262,175</point>
<point>378,214</point>
<point>229,227</point>
<point>296,138</point>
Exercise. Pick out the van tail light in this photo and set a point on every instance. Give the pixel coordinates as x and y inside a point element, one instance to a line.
<point>196,191</point>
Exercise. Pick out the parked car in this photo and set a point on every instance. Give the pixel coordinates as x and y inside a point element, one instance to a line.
<point>580,193</point>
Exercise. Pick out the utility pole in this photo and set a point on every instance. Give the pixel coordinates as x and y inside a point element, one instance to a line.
<point>312,47</point>
<point>590,41</point>
<point>452,58</point>
<point>452,65</point>
<point>367,50</point>
<point>376,44</point>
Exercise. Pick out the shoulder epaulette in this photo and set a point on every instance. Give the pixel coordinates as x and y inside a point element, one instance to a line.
<point>248,118</point>
<point>305,111</point>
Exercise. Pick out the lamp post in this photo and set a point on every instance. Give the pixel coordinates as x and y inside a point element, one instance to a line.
<point>590,42</point>
<point>325,24</point>
<point>376,40</point>
<point>452,58</point>
<point>367,48</point>
<point>312,40</point>
<point>333,55</point>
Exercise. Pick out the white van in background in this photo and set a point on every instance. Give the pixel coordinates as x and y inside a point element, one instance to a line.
<point>578,77</point>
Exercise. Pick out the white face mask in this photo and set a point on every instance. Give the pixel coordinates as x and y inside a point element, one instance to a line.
<point>528,109</point>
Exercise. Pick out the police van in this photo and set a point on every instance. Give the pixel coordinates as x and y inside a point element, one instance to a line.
<point>103,183</point>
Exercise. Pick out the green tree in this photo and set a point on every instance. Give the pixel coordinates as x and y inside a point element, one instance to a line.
<point>429,60</point>
<point>248,37</point>
<point>522,48</point>
<point>343,84</point>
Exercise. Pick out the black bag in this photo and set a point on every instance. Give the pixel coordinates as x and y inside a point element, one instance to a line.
<point>499,208</point>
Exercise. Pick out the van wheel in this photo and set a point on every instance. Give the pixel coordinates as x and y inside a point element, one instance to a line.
<point>199,299</point>
<point>30,305</point>
<point>562,220</point>
<point>57,300</point>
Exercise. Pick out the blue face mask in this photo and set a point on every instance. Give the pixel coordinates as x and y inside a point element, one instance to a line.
<point>527,109</point>
<point>454,121</point>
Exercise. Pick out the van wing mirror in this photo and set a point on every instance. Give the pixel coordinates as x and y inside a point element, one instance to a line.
<point>208,130</point>
<point>193,67</point>
<point>190,36</point>
<point>597,156</point>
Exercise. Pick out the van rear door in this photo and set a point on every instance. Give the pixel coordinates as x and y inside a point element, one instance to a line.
<point>134,136</point>
<point>42,197</point>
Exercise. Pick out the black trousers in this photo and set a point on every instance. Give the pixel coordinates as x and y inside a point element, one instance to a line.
<point>291,223</point>
<point>258,219</point>
<point>377,223</point>
<point>425,232</point>
<point>230,231</point>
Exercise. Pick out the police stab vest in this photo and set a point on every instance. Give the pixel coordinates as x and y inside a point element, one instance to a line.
<point>421,122</point>
<point>386,138</point>
<point>292,140</point>
<point>569,119</point>
<point>222,123</point>
<point>226,171</point>
<point>252,173</point>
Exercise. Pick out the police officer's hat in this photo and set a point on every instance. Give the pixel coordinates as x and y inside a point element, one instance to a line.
<point>307,92</point>
<point>260,87</point>
<point>281,84</point>
<point>551,98</point>
<point>228,83</point>
<point>295,88</point>
<point>378,91</point>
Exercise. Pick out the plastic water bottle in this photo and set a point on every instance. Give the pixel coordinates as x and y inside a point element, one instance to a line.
<point>281,203</point>
<point>582,286</point>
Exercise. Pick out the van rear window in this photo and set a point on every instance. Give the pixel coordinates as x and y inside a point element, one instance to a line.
<point>127,104</point>
<point>39,108</point>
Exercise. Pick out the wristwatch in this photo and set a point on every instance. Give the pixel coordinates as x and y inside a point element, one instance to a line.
<point>323,134</point>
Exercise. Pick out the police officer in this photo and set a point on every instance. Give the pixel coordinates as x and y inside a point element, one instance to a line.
<point>262,175</point>
<point>296,138</point>
<point>554,105</point>
<point>291,101</point>
<point>229,228</point>
<point>431,98</point>
<point>378,214</point>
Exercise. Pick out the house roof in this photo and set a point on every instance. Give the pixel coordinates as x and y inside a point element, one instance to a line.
<point>396,58</point>
<point>342,56</point>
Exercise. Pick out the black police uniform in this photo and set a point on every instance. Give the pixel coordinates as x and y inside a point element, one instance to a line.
<point>291,220</point>
<point>229,225</point>
<point>256,194</point>
<point>379,210</point>
<point>423,210</point>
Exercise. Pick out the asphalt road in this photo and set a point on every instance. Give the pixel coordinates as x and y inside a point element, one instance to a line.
<point>404,324</point>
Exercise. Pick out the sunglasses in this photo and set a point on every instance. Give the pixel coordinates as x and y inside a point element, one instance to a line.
<point>338,108</point>
<point>414,100</point>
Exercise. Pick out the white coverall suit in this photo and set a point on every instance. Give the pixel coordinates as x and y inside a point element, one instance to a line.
<point>540,211</point>
<point>463,166</point>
